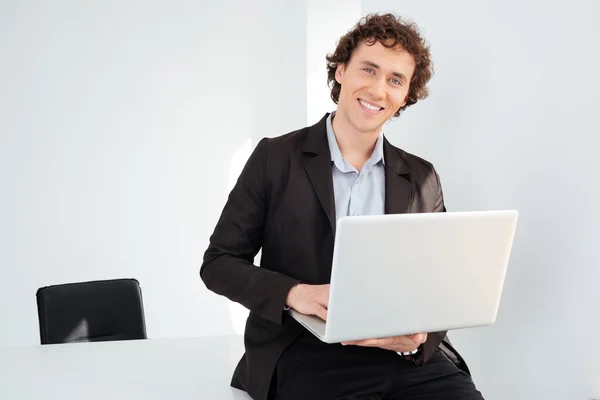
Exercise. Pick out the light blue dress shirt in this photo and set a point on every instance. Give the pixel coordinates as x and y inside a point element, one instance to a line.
<point>357,193</point>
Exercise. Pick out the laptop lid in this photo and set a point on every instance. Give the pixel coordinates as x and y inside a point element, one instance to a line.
<point>408,273</point>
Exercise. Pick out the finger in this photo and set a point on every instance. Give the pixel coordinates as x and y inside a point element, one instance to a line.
<point>371,342</point>
<point>378,342</point>
<point>325,296</point>
<point>419,338</point>
<point>323,299</point>
<point>416,338</point>
<point>321,312</point>
<point>407,341</point>
<point>354,342</point>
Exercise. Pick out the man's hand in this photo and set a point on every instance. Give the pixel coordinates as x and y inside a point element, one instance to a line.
<point>309,299</point>
<point>394,343</point>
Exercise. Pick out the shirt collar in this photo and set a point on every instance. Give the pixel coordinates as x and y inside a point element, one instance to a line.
<point>336,154</point>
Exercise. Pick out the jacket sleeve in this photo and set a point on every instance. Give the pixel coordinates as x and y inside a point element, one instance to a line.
<point>228,266</point>
<point>439,205</point>
<point>434,338</point>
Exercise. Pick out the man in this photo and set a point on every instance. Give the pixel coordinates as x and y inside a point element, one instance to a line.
<point>287,201</point>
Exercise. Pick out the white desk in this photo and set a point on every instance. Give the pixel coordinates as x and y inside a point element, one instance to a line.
<point>197,368</point>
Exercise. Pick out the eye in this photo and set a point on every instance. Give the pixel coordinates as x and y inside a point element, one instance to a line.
<point>368,70</point>
<point>396,82</point>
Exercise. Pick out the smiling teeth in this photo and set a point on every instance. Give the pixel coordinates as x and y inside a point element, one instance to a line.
<point>370,107</point>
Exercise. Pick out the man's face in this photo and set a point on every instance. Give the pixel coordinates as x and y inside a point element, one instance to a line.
<point>374,85</point>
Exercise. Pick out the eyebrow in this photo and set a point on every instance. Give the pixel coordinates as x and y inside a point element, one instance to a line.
<point>399,75</point>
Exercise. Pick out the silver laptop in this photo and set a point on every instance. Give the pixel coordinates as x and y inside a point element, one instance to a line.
<point>409,273</point>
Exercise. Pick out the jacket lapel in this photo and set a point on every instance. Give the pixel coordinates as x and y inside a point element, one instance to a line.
<point>398,186</point>
<point>318,167</point>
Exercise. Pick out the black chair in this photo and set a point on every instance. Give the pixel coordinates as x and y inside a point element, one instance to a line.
<point>94,311</point>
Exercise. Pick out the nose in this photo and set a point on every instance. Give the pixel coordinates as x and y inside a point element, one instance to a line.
<point>377,88</point>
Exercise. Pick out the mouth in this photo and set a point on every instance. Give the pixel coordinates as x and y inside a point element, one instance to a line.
<point>370,107</point>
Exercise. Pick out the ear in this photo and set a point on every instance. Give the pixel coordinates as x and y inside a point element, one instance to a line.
<point>404,102</point>
<point>339,73</point>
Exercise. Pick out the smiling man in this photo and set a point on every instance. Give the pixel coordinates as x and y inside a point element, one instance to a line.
<point>287,201</point>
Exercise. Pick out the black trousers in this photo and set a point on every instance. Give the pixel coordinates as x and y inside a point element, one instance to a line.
<point>311,369</point>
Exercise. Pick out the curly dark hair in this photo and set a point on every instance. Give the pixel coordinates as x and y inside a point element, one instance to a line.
<point>390,31</point>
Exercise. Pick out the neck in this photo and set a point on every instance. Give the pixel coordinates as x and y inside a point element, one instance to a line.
<point>353,144</point>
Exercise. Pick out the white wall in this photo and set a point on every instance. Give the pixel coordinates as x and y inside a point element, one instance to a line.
<point>118,124</point>
<point>512,122</point>
<point>327,21</point>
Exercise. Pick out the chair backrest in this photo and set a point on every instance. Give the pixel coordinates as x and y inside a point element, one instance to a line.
<point>91,311</point>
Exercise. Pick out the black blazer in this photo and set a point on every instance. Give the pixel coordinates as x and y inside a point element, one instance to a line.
<point>283,202</point>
